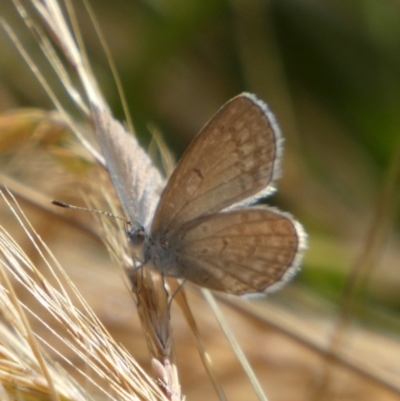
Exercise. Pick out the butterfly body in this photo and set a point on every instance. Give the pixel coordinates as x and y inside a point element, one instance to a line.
<point>158,255</point>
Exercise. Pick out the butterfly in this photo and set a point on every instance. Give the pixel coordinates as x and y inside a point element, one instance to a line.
<point>202,225</point>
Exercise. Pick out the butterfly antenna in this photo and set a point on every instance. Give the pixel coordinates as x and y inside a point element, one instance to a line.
<point>85,209</point>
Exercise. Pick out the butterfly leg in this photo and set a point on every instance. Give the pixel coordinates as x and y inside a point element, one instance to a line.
<point>175,293</point>
<point>132,273</point>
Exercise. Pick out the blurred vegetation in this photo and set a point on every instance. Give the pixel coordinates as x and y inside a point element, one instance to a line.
<point>330,71</point>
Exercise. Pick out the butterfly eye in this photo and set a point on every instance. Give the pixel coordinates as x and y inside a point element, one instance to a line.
<point>137,235</point>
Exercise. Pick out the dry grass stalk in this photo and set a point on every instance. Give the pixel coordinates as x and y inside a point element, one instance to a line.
<point>152,300</point>
<point>89,340</point>
<point>151,297</point>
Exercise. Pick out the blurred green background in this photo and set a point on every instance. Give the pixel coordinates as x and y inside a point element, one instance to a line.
<point>329,70</point>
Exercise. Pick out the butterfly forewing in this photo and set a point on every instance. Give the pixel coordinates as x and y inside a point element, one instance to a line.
<point>137,181</point>
<point>239,252</point>
<point>232,159</point>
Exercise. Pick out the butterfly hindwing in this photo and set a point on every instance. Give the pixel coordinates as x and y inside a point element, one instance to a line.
<point>238,252</point>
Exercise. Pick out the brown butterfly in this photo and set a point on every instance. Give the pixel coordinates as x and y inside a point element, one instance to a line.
<point>201,227</point>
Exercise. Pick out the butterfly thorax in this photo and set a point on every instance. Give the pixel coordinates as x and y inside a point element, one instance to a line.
<point>159,256</point>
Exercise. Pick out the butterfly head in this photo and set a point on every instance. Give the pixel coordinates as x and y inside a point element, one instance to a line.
<point>136,235</point>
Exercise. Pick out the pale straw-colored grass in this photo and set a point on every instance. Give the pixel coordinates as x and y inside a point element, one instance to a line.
<point>33,372</point>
